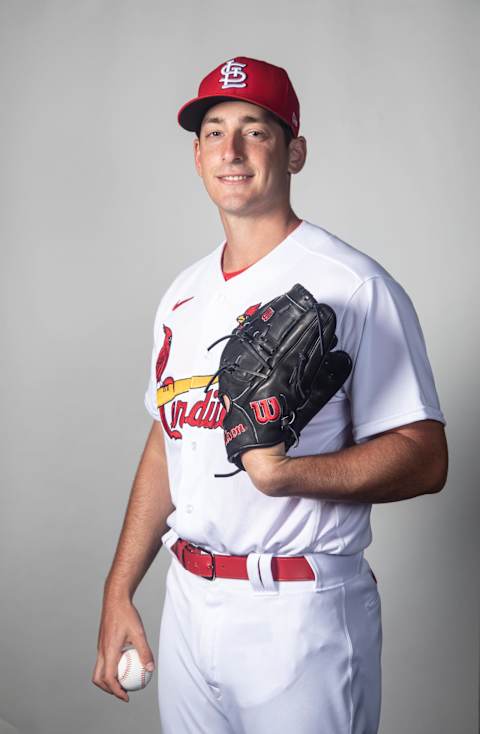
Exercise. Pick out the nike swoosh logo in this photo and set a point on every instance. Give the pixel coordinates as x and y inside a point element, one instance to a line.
<point>184,300</point>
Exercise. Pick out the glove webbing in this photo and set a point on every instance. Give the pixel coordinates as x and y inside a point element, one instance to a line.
<point>233,366</point>
<point>285,420</point>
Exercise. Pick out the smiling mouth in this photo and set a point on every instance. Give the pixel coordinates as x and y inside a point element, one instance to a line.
<point>235,179</point>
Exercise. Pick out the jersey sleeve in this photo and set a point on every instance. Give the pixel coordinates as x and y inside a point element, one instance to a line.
<point>150,398</point>
<point>391,383</point>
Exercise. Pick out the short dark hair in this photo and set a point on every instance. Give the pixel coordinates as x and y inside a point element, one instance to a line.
<point>287,131</point>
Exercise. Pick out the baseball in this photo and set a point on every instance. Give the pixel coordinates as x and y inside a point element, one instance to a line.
<point>132,675</point>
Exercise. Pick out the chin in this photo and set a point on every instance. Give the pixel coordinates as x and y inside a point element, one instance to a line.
<point>233,204</point>
<point>230,199</point>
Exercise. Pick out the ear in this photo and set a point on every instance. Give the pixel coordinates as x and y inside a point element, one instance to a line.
<point>197,157</point>
<point>297,153</point>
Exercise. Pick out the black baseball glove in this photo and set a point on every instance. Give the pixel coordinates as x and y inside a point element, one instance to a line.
<point>277,371</point>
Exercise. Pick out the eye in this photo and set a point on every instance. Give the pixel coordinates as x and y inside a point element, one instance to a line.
<point>255,133</point>
<point>213,133</point>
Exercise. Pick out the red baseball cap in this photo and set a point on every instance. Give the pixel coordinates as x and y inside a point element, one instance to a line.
<point>250,80</point>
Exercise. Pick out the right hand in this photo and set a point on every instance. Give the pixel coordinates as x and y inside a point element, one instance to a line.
<point>120,625</point>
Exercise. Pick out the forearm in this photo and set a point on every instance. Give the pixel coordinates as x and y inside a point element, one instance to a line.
<point>388,468</point>
<point>145,522</point>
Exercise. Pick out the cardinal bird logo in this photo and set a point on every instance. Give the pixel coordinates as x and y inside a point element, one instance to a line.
<point>162,360</point>
<point>250,311</point>
<point>164,352</point>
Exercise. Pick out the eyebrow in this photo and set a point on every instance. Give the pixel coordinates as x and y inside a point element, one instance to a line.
<point>245,118</point>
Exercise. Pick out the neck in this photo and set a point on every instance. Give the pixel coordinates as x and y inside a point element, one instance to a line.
<point>249,239</point>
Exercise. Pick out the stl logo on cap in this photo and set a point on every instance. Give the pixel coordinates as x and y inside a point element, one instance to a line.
<point>242,78</point>
<point>232,75</point>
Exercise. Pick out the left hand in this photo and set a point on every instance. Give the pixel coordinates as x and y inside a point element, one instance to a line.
<point>265,468</point>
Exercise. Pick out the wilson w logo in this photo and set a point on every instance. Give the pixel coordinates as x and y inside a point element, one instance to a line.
<point>267,409</point>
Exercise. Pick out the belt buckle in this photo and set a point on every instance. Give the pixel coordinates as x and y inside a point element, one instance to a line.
<point>203,551</point>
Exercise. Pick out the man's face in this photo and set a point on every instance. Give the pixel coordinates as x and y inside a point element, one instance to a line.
<point>237,139</point>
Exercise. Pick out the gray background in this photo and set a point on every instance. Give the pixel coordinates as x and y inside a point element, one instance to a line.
<point>101,208</point>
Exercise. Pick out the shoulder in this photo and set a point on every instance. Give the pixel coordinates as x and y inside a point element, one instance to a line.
<point>337,258</point>
<point>356,285</point>
<point>184,283</point>
<point>189,276</point>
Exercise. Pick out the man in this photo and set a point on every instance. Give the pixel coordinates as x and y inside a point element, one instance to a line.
<point>272,619</point>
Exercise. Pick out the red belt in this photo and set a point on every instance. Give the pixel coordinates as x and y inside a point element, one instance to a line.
<point>213,565</point>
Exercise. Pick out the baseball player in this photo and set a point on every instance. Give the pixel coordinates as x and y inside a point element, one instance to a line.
<point>272,616</point>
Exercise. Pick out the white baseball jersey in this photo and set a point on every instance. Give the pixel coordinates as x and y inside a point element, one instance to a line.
<point>391,384</point>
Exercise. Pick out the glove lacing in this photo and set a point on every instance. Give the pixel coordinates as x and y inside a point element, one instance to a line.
<point>232,366</point>
<point>286,419</point>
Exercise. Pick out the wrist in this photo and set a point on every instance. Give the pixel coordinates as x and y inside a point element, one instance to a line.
<point>115,590</point>
<point>279,482</point>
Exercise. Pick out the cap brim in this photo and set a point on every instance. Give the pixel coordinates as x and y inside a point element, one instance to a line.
<point>192,112</point>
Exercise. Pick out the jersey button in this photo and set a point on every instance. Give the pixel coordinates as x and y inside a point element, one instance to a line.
<point>194,445</point>
<point>189,508</point>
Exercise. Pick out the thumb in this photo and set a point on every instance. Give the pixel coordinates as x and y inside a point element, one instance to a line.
<point>144,653</point>
<point>330,377</point>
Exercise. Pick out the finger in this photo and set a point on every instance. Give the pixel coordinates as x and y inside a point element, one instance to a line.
<point>99,679</point>
<point>102,685</point>
<point>97,675</point>
<point>110,679</point>
<point>144,652</point>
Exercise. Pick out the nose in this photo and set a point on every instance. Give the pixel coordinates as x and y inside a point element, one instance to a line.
<point>232,148</point>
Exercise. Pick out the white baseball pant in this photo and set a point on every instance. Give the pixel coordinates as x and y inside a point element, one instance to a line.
<point>246,657</point>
